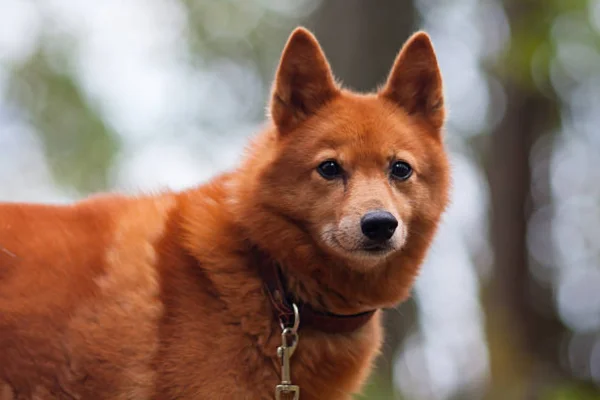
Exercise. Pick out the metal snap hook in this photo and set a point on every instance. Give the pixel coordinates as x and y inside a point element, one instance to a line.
<point>289,341</point>
<point>296,324</point>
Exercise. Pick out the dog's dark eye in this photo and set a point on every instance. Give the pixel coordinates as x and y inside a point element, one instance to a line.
<point>401,170</point>
<point>329,169</point>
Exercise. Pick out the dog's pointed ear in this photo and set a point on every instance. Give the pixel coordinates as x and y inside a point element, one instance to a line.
<point>415,81</point>
<point>303,82</point>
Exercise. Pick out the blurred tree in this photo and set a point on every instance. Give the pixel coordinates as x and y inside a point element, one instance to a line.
<point>524,330</point>
<point>362,38</point>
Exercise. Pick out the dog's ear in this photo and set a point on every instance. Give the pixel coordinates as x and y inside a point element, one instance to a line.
<point>415,81</point>
<point>303,82</point>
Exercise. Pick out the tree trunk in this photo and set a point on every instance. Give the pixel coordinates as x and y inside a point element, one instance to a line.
<point>523,341</point>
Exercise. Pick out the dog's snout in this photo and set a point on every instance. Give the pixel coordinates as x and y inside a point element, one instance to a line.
<point>378,225</point>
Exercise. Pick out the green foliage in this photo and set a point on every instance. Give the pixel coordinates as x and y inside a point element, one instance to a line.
<point>572,392</point>
<point>378,388</point>
<point>255,33</point>
<point>531,45</point>
<point>78,145</point>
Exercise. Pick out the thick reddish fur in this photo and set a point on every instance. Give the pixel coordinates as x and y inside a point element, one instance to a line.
<point>158,297</point>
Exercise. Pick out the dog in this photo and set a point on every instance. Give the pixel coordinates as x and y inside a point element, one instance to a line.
<point>268,281</point>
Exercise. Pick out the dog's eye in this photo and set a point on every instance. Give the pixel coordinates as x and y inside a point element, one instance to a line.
<point>329,169</point>
<point>401,170</point>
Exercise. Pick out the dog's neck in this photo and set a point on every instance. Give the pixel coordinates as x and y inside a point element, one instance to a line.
<point>287,307</point>
<point>311,276</point>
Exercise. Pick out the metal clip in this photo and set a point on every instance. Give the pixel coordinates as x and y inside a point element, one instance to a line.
<point>289,341</point>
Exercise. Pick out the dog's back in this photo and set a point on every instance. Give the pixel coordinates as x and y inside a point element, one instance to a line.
<point>72,278</point>
<point>100,300</point>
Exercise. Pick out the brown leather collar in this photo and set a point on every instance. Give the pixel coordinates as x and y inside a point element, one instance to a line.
<point>309,317</point>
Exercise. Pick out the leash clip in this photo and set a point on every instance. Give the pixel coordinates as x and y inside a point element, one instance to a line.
<point>289,342</point>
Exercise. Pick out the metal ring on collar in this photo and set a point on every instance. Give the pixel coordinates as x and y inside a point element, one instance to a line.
<point>296,324</point>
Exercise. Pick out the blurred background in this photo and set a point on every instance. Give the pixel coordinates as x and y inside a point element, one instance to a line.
<point>144,95</point>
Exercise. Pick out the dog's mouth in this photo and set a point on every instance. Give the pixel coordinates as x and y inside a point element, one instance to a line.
<point>362,250</point>
<point>376,249</point>
<point>371,248</point>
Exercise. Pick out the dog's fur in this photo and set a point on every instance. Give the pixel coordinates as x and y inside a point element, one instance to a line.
<point>158,297</point>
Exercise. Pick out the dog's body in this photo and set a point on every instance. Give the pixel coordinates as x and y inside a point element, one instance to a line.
<point>160,297</point>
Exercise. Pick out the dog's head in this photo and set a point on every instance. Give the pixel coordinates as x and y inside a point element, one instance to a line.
<point>361,178</point>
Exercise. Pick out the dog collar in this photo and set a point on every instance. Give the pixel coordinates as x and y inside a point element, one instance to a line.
<point>283,308</point>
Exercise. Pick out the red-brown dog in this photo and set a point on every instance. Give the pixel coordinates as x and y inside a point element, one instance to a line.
<point>185,295</point>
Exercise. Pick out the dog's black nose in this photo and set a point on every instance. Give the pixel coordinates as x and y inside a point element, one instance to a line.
<point>378,225</point>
